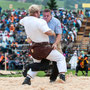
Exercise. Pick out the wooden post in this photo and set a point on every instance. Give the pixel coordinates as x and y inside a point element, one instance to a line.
<point>5,61</point>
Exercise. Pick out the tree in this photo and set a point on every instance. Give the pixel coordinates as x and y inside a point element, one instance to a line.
<point>52,4</point>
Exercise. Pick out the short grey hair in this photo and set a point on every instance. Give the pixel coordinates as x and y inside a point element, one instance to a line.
<point>34,8</point>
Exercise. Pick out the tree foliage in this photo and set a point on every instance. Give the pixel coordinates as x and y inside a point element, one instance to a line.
<point>52,4</point>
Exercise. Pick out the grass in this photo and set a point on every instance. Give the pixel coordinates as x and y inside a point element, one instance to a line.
<point>10,75</point>
<point>79,73</point>
<point>40,73</point>
<point>60,4</point>
<point>5,4</point>
<point>15,73</point>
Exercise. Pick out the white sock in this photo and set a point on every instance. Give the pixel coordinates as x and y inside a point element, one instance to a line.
<point>31,73</point>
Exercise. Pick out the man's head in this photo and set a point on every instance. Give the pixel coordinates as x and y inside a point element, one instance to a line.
<point>34,10</point>
<point>47,15</point>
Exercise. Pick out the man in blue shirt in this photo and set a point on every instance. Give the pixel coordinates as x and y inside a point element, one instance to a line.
<point>55,25</point>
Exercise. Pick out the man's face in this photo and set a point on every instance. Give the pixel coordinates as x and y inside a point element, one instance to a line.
<point>47,16</point>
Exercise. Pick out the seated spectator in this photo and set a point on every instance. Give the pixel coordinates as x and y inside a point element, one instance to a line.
<point>78,23</point>
<point>7,28</point>
<point>14,45</point>
<point>12,28</point>
<point>1,61</point>
<point>12,18</point>
<point>12,63</point>
<point>9,44</point>
<point>82,64</point>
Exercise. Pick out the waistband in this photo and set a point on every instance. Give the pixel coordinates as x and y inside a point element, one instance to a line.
<point>40,43</point>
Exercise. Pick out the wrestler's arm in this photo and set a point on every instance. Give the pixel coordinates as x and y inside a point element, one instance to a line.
<point>58,38</point>
<point>45,29</point>
<point>50,33</point>
<point>58,31</point>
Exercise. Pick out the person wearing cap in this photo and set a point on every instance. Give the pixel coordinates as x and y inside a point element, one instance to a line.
<point>37,32</point>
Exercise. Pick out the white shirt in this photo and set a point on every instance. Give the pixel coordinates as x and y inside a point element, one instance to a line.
<point>35,28</point>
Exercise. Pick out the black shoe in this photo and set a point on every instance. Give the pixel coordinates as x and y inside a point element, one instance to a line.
<point>62,76</point>
<point>51,81</point>
<point>24,73</point>
<point>27,81</point>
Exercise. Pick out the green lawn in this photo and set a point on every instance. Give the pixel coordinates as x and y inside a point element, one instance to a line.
<point>60,4</point>
<point>40,74</point>
<point>5,4</point>
<point>79,73</point>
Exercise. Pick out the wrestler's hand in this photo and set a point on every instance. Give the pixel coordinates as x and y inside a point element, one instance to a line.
<point>54,46</point>
<point>29,40</point>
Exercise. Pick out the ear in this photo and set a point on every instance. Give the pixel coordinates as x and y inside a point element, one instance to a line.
<point>36,14</point>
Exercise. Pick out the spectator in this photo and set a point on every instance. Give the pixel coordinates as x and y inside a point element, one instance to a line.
<point>0,9</point>
<point>82,64</point>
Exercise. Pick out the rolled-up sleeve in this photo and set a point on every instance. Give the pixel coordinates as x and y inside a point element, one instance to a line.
<point>21,21</point>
